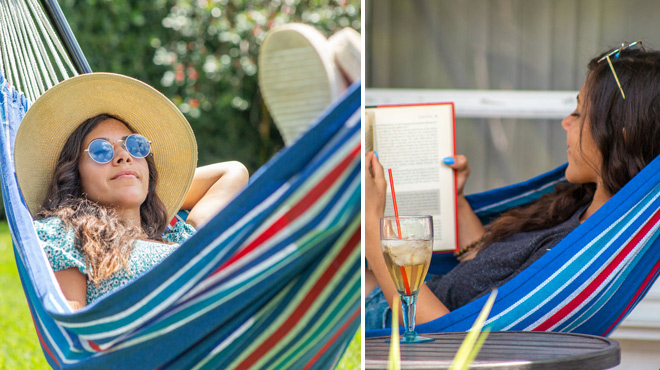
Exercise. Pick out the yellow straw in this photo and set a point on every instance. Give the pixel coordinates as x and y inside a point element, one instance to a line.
<point>473,341</point>
<point>615,77</point>
<point>394,360</point>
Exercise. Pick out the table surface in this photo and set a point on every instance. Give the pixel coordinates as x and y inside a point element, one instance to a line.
<point>503,350</point>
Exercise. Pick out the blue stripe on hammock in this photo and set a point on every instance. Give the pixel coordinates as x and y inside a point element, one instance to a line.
<point>608,305</point>
<point>599,245</point>
<point>296,236</point>
<point>304,260</point>
<point>619,280</point>
<point>491,203</point>
<point>240,343</point>
<point>351,303</point>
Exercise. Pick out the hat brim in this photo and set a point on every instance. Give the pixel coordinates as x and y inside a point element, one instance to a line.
<point>59,111</point>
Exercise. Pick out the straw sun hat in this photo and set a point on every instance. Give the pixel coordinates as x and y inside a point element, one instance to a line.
<point>59,111</point>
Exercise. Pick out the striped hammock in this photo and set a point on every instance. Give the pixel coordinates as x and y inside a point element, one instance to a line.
<point>589,282</point>
<point>272,281</point>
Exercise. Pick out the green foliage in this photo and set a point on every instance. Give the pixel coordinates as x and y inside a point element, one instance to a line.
<point>115,35</point>
<point>212,76</point>
<point>203,55</point>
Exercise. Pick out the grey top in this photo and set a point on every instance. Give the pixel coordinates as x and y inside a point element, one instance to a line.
<point>497,264</point>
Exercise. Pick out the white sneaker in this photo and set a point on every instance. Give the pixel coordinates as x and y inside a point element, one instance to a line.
<point>298,77</point>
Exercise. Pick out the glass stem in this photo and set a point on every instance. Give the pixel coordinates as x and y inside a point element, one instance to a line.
<point>409,303</point>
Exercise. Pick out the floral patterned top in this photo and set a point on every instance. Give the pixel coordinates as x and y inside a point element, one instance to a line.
<point>57,240</point>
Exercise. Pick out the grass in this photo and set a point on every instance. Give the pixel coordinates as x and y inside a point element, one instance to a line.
<point>19,347</point>
<point>351,358</point>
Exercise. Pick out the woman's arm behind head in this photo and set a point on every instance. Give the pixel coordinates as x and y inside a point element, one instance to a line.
<point>212,188</point>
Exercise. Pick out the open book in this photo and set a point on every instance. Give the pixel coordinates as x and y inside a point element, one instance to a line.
<point>412,140</point>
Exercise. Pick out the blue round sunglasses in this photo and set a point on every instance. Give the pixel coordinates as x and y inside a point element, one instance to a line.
<point>102,151</point>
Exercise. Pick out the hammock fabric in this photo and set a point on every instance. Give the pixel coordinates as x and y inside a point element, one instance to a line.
<point>272,281</point>
<point>589,282</point>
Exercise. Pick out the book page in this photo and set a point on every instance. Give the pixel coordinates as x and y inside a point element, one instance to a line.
<point>412,141</point>
<point>369,130</point>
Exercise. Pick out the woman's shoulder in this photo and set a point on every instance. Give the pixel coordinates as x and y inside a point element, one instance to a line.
<point>57,240</point>
<point>48,228</point>
<point>179,232</point>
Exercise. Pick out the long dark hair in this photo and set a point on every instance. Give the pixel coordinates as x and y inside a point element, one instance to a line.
<point>626,132</point>
<point>100,236</point>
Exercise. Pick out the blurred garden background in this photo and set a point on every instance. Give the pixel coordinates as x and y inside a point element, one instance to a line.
<point>202,54</point>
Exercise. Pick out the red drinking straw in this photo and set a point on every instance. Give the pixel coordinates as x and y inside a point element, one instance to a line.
<point>406,284</point>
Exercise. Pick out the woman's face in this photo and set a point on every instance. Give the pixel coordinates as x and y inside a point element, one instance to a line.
<point>122,183</point>
<point>584,158</point>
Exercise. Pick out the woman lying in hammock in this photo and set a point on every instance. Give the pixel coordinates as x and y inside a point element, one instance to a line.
<point>609,138</point>
<point>120,161</point>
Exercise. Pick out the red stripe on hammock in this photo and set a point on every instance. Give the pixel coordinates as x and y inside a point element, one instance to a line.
<point>298,209</point>
<point>41,340</point>
<point>649,280</point>
<point>583,295</point>
<point>94,346</point>
<point>304,305</point>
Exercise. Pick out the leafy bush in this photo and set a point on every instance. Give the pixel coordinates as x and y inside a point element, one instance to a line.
<point>203,55</point>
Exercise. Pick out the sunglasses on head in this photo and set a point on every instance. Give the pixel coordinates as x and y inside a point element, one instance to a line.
<point>615,54</point>
<point>102,151</point>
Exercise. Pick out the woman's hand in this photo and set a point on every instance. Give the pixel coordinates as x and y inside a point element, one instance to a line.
<point>470,227</point>
<point>462,168</point>
<point>375,187</point>
<point>212,188</point>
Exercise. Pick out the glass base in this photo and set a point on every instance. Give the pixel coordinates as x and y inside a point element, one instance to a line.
<point>411,339</point>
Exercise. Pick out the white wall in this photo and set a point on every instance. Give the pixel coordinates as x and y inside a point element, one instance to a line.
<point>513,45</point>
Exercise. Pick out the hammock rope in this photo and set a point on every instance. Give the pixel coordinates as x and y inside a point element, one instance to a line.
<point>31,49</point>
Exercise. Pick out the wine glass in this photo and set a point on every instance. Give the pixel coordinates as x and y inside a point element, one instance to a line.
<point>407,245</point>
